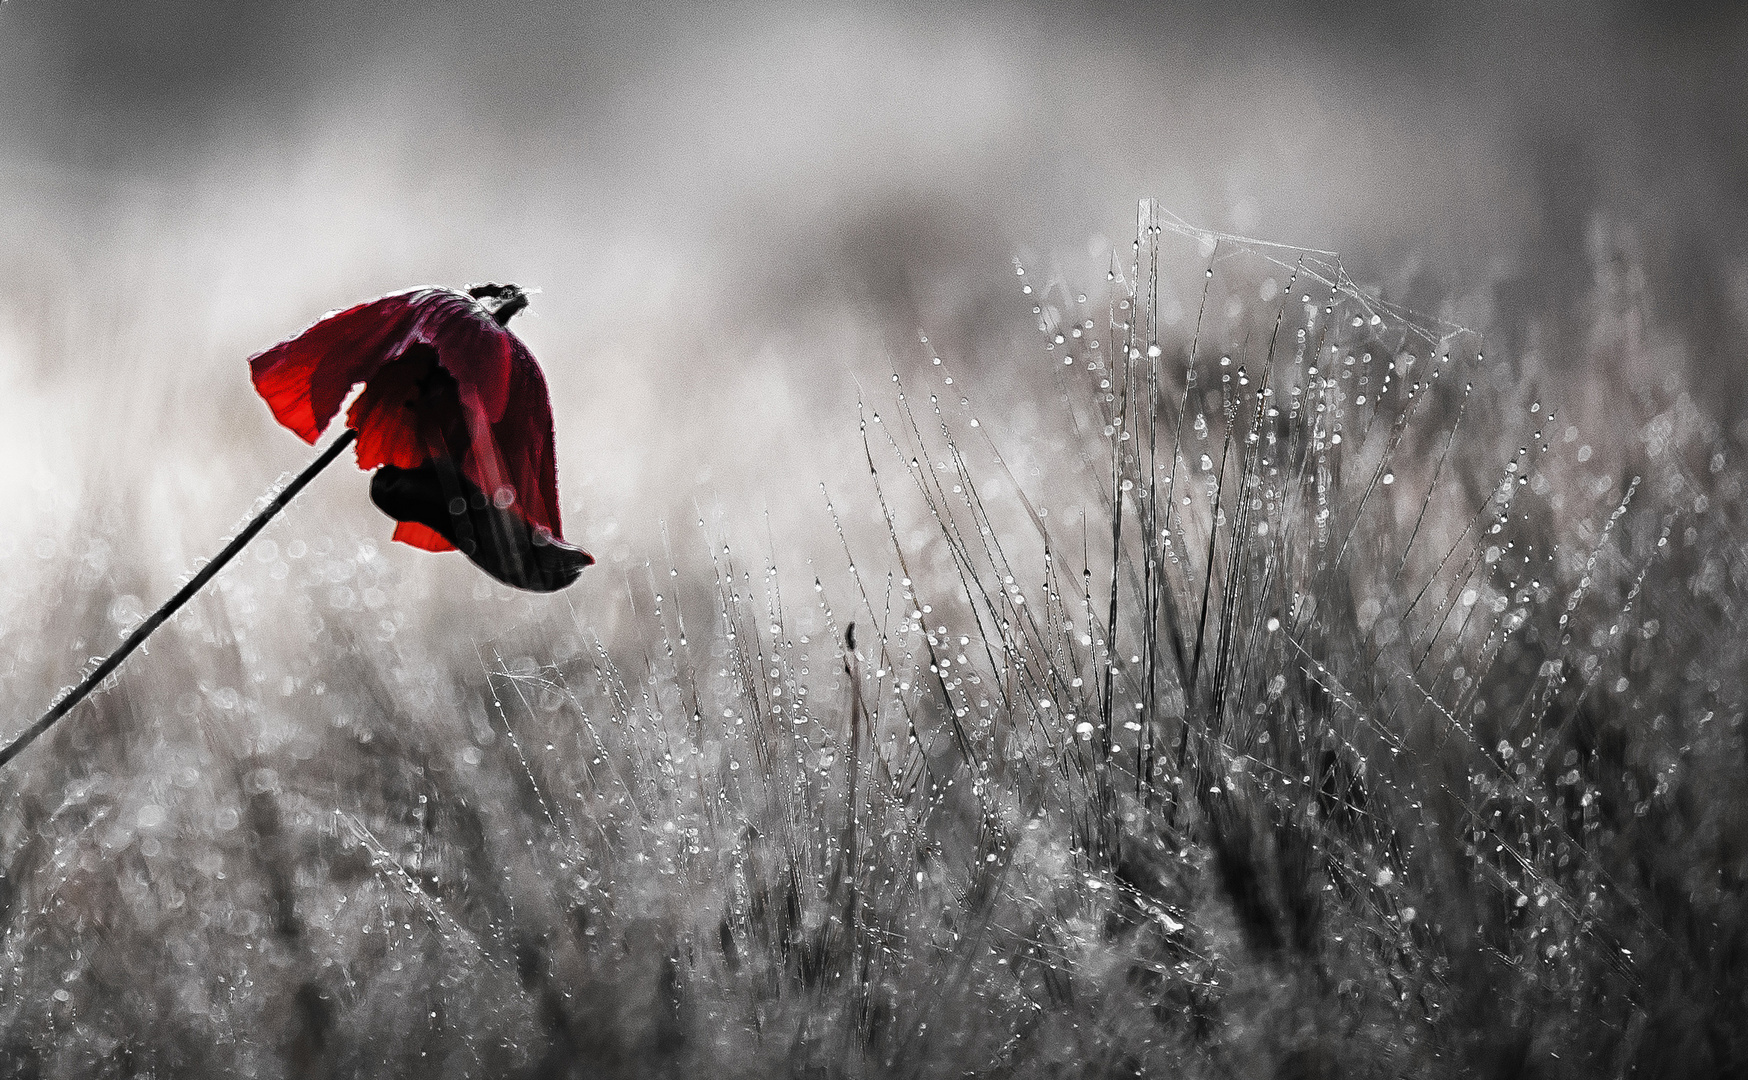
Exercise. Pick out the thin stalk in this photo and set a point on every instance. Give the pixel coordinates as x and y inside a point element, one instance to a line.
<point>183,595</point>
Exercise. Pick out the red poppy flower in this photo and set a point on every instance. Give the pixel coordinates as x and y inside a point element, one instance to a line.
<point>454,415</point>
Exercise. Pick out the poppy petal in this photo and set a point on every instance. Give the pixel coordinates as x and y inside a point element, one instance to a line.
<point>416,535</point>
<point>388,430</point>
<point>513,458</point>
<point>470,345</point>
<point>438,496</point>
<point>305,379</point>
<point>408,412</point>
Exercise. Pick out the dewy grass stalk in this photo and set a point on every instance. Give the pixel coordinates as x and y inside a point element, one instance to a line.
<point>1241,718</point>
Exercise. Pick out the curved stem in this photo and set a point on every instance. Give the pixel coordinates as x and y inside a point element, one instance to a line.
<point>183,595</point>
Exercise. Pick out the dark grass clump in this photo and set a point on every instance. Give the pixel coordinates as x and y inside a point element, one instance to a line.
<point>1288,697</point>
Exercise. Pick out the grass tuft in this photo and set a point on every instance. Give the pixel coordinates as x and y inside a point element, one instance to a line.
<point>1294,701</point>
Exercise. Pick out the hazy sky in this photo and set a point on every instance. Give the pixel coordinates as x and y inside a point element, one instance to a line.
<point>735,211</point>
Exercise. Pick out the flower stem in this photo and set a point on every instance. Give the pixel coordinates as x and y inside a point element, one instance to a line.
<point>183,595</point>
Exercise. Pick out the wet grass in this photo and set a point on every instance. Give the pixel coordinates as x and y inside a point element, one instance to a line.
<point>1290,698</point>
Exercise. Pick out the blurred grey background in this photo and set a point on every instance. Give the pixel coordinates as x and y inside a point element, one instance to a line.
<point>738,213</point>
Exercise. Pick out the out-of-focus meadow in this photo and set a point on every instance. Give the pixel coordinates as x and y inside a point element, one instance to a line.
<point>1298,699</point>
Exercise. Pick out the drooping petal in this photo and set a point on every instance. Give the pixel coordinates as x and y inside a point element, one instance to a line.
<point>416,535</point>
<point>524,441</point>
<point>470,345</point>
<point>387,418</point>
<point>440,498</point>
<point>409,411</point>
<point>512,459</point>
<point>305,379</point>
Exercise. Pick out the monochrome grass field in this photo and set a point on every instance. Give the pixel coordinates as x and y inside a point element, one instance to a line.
<point>1270,682</point>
